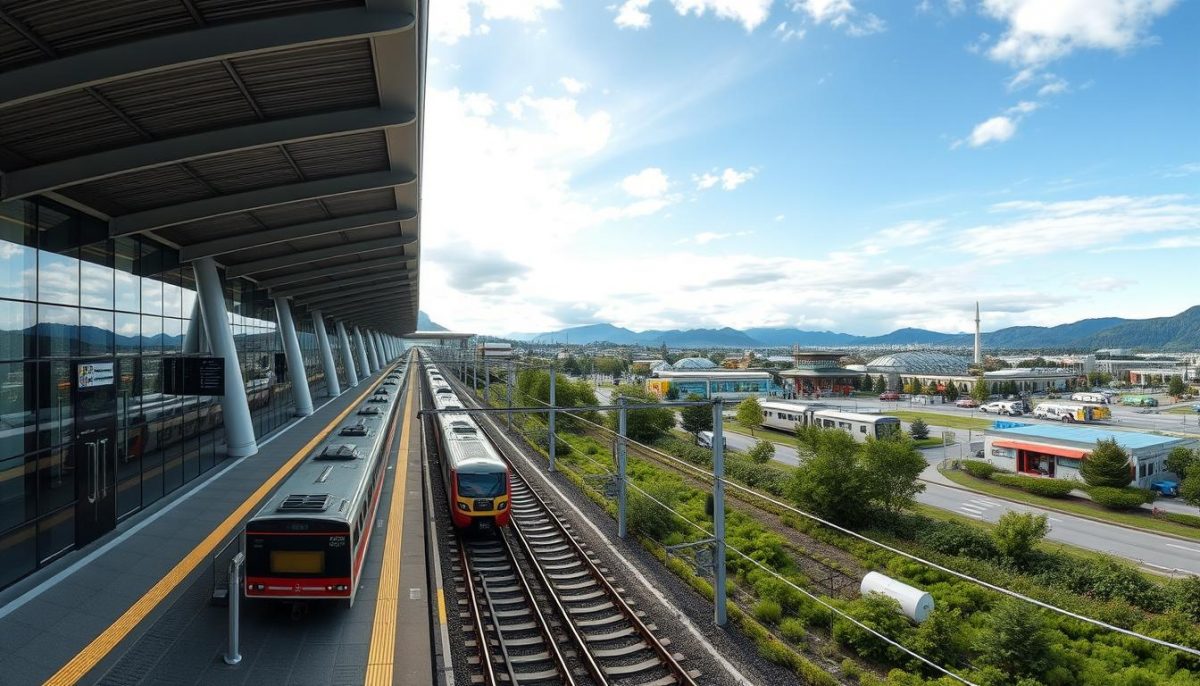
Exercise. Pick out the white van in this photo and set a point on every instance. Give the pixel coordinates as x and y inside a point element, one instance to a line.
<point>705,439</point>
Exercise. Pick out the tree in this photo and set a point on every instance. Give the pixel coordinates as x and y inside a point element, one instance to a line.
<point>980,391</point>
<point>696,418</point>
<point>951,391</point>
<point>1180,460</point>
<point>919,429</point>
<point>762,452</point>
<point>890,470</point>
<point>642,425</point>
<point>750,414</point>
<point>1107,465</point>
<point>1017,533</point>
<point>1014,640</point>
<point>1189,490</point>
<point>672,392</point>
<point>1176,387</point>
<point>880,384</point>
<point>830,481</point>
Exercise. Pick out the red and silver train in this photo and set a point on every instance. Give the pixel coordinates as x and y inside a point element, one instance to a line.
<point>476,477</point>
<point>310,539</point>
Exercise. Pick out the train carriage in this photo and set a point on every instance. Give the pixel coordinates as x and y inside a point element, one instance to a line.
<point>787,416</point>
<point>310,539</point>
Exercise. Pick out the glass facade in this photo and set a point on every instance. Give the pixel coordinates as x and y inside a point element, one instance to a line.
<point>69,294</point>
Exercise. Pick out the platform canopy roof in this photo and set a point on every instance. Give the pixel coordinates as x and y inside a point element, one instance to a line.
<point>282,138</point>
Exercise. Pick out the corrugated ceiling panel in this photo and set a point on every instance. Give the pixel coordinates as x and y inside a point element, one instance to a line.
<point>290,214</point>
<point>15,50</point>
<point>326,77</point>
<point>328,240</point>
<point>246,170</point>
<point>353,154</point>
<point>379,200</point>
<point>63,126</point>
<point>86,24</point>
<point>200,97</point>
<point>224,10</point>
<point>258,252</point>
<point>146,189</point>
<point>211,229</point>
<point>372,232</point>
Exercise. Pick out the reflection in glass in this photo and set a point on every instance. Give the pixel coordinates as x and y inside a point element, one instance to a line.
<point>18,408</point>
<point>18,257</point>
<point>151,335</point>
<point>55,478</point>
<point>57,331</point>
<point>17,320</point>
<point>18,554</point>
<point>173,330</point>
<point>18,491</point>
<point>128,334</point>
<point>56,534</point>
<point>96,285</point>
<point>58,278</point>
<point>55,413</point>
<point>172,296</point>
<point>152,296</point>
<point>95,333</point>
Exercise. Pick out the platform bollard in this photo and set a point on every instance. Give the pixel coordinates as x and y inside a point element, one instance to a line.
<point>232,656</point>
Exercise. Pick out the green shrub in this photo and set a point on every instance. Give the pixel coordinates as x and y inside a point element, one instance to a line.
<point>1048,488</point>
<point>954,538</point>
<point>793,630</point>
<point>1121,498</point>
<point>979,469</point>
<point>768,611</point>
<point>1180,518</point>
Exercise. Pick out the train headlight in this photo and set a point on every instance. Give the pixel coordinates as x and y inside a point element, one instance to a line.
<point>464,507</point>
<point>503,504</point>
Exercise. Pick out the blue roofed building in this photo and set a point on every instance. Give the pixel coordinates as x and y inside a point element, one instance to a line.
<point>1058,451</point>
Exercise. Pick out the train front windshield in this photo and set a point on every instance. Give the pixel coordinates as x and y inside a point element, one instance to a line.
<point>481,485</point>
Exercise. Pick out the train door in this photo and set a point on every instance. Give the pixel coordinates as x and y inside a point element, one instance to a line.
<point>94,396</point>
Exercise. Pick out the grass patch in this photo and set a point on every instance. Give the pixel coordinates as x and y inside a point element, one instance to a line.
<point>1141,519</point>
<point>1180,409</point>
<point>946,420</point>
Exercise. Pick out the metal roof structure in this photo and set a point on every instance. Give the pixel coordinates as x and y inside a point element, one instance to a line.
<point>694,363</point>
<point>282,138</point>
<point>1087,436</point>
<point>920,362</point>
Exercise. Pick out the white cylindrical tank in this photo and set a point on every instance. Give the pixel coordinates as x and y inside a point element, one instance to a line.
<point>915,603</point>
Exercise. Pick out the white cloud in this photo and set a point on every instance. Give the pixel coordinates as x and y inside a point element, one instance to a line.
<point>749,13</point>
<point>572,86</point>
<point>731,178</point>
<point>706,237</point>
<point>1053,86</point>
<point>779,217</point>
<point>994,130</point>
<point>1023,107</point>
<point>1039,227</point>
<point>451,20</point>
<point>632,14</point>
<point>840,14</point>
<point>705,181</point>
<point>651,182</point>
<point>785,34</point>
<point>1040,31</point>
<point>1183,170</point>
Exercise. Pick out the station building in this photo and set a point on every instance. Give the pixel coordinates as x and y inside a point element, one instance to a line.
<point>1058,451</point>
<point>941,369</point>
<point>714,383</point>
<point>192,193</point>
<point>816,373</point>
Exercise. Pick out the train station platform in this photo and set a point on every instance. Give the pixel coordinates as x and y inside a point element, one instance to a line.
<point>137,606</point>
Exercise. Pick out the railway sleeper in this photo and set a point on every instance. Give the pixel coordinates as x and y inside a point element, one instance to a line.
<point>623,651</point>
<point>634,668</point>
<point>581,597</point>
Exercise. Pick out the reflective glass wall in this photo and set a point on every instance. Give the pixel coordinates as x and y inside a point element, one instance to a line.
<point>67,293</point>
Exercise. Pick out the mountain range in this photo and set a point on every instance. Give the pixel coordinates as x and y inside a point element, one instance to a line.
<point>1180,332</point>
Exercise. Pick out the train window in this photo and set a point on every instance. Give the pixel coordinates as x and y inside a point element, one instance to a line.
<point>297,561</point>
<point>862,428</point>
<point>481,485</point>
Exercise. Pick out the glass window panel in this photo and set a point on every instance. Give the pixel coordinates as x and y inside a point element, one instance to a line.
<point>173,299</point>
<point>96,285</point>
<point>152,328</point>
<point>56,478</point>
<point>95,332</point>
<point>18,409</point>
<point>55,416</point>
<point>58,278</point>
<point>18,491</point>
<point>18,254</point>
<point>56,534</point>
<point>18,554</point>
<point>173,330</point>
<point>188,296</point>
<point>58,330</point>
<point>128,334</point>
<point>152,296</point>
<point>17,320</point>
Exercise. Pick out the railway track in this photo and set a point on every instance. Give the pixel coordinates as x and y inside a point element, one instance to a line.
<point>546,611</point>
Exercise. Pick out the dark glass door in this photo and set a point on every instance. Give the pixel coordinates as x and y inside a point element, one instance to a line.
<point>94,394</point>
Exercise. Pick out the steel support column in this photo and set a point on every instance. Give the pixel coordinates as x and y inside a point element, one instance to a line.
<point>295,361</point>
<point>373,351</point>
<point>239,429</point>
<point>194,341</point>
<point>362,353</point>
<point>332,385</point>
<point>347,354</point>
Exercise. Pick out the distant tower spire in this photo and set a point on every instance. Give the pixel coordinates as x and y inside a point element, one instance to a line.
<point>978,337</point>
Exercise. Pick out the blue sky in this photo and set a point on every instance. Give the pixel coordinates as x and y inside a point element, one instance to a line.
<point>829,164</point>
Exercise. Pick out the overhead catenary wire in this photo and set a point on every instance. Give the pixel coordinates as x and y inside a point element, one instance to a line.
<point>892,549</point>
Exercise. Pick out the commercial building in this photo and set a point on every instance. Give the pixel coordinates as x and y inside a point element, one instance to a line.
<point>1058,451</point>
<point>208,223</point>
<point>715,383</point>
<point>942,369</point>
<point>816,373</point>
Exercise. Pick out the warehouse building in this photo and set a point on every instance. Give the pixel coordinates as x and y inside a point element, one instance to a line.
<point>1058,451</point>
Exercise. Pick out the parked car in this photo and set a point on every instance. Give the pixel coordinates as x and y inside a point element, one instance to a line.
<point>1002,407</point>
<point>705,439</point>
<point>1165,488</point>
<point>890,395</point>
<point>966,402</point>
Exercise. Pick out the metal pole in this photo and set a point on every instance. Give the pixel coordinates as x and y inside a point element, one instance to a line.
<point>553,373</point>
<point>232,656</point>
<point>621,490</point>
<point>719,512</point>
<point>487,381</point>
<point>509,391</point>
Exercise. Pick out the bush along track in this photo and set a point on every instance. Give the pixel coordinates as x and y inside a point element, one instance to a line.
<point>974,631</point>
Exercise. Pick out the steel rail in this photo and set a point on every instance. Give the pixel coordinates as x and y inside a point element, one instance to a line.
<point>485,649</point>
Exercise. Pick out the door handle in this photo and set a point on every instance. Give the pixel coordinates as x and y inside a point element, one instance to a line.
<point>92,468</point>
<point>103,452</point>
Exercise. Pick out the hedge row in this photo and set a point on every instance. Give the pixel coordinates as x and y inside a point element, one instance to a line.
<point>1049,488</point>
<point>1180,518</point>
<point>979,469</point>
<point>1121,498</point>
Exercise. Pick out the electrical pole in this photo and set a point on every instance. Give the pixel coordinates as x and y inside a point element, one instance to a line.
<point>509,392</point>
<point>719,512</point>
<point>553,442</point>
<point>621,492</point>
